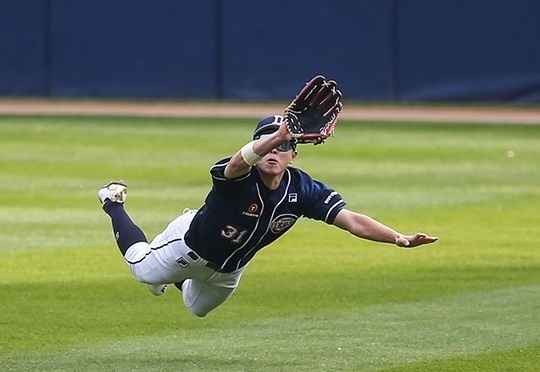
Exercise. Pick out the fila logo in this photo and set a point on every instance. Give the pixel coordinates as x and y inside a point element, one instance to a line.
<point>293,198</point>
<point>182,261</point>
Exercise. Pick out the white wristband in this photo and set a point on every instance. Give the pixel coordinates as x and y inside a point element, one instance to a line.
<point>249,155</point>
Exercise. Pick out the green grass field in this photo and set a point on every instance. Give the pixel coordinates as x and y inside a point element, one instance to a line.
<point>318,299</point>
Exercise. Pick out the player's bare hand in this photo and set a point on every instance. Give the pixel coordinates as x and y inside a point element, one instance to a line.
<point>284,133</point>
<point>415,240</point>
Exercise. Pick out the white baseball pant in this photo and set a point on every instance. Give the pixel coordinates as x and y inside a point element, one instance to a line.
<point>165,260</point>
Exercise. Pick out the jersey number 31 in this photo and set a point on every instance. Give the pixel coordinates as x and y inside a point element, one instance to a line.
<point>233,234</point>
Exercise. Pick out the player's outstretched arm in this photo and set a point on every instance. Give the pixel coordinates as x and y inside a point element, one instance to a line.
<point>244,158</point>
<point>366,227</point>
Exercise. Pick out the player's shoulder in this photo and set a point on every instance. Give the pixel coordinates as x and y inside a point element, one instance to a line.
<point>222,162</point>
<point>304,181</point>
<point>218,172</point>
<point>299,174</point>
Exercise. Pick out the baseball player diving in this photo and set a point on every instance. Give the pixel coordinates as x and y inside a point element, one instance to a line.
<point>256,197</point>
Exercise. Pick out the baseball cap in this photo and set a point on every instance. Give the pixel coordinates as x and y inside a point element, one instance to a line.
<point>268,125</point>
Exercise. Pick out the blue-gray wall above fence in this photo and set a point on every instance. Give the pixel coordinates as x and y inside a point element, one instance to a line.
<point>377,50</point>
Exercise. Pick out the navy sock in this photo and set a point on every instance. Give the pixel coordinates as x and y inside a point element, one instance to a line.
<point>179,285</point>
<point>125,231</point>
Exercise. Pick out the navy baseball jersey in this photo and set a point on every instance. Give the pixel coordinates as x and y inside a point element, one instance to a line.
<point>241,216</point>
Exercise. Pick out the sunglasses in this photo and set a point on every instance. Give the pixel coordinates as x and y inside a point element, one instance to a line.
<point>283,148</point>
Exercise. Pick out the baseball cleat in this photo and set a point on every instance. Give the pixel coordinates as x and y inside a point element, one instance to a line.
<point>157,289</point>
<point>116,192</point>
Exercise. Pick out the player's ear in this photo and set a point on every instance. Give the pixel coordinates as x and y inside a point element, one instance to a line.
<point>294,153</point>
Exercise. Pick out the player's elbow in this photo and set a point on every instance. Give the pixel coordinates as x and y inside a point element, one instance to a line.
<point>236,167</point>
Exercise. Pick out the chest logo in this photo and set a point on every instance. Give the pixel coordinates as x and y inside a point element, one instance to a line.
<point>282,223</point>
<point>252,210</point>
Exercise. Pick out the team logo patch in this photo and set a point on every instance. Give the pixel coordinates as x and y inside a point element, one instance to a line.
<point>278,119</point>
<point>282,223</point>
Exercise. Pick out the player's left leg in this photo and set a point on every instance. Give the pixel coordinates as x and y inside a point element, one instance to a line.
<point>203,289</point>
<point>203,296</point>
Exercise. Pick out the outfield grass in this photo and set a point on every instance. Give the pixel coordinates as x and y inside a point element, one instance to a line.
<point>318,299</point>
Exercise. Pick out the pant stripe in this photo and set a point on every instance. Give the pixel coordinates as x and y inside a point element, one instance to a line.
<point>153,249</point>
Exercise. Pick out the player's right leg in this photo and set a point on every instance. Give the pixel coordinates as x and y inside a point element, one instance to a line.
<point>126,233</point>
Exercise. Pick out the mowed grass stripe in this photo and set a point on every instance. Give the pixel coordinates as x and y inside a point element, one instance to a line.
<point>421,333</point>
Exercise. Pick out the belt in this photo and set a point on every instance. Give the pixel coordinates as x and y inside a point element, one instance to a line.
<point>206,263</point>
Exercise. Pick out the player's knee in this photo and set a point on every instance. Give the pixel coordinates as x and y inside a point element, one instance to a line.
<point>200,310</point>
<point>140,275</point>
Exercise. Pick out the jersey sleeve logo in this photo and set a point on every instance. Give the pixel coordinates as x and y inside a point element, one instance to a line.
<point>282,223</point>
<point>330,196</point>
